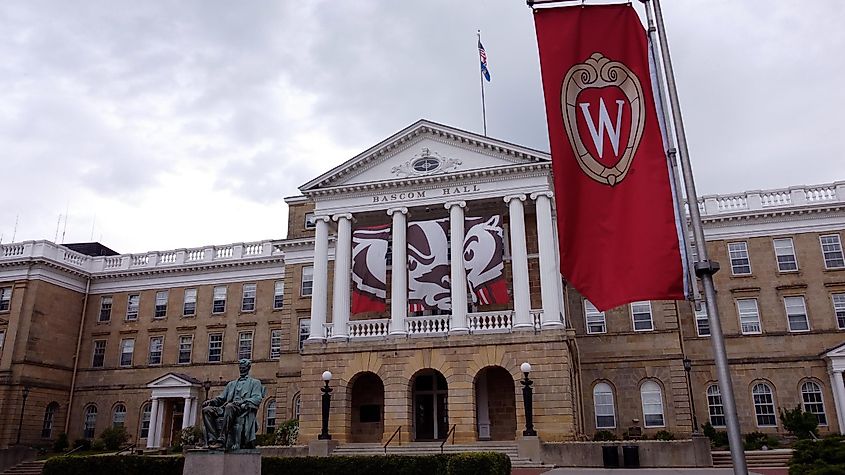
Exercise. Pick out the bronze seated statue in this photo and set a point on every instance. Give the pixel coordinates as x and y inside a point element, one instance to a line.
<point>236,407</point>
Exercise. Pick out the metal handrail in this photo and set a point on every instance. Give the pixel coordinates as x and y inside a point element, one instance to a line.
<point>398,432</point>
<point>452,432</point>
<point>128,447</point>
<point>78,447</point>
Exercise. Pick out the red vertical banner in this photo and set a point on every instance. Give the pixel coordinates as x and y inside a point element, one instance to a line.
<point>616,222</point>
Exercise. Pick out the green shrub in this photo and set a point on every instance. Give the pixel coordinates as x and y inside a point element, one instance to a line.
<point>756,441</point>
<point>664,435</point>
<point>191,437</point>
<point>819,457</point>
<point>718,438</point>
<point>113,465</point>
<point>265,439</point>
<point>287,433</point>
<point>803,425</point>
<point>98,445</point>
<point>61,444</point>
<point>452,464</point>
<point>479,463</point>
<point>85,444</point>
<point>602,435</point>
<point>114,437</point>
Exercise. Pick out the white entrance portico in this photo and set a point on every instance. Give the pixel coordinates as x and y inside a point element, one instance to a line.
<point>835,368</point>
<point>174,406</point>
<point>432,171</point>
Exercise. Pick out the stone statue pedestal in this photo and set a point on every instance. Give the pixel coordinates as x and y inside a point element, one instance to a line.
<point>217,462</point>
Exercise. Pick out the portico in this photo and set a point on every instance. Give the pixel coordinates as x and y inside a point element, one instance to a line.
<point>835,368</point>
<point>174,406</point>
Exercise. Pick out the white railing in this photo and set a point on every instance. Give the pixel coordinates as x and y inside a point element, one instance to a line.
<point>74,258</point>
<point>731,203</point>
<point>432,324</point>
<point>821,193</point>
<point>140,260</point>
<point>536,317</point>
<point>490,322</point>
<point>167,257</point>
<point>328,329</point>
<point>369,328</point>
<point>776,198</point>
<point>112,262</point>
<point>13,250</point>
<point>194,255</point>
<point>768,199</point>
<point>253,249</point>
<point>224,252</point>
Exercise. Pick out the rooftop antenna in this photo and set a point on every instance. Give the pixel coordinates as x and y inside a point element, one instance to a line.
<point>64,230</point>
<point>92,227</point>
<point>15,232</point>
<point>58,223</point>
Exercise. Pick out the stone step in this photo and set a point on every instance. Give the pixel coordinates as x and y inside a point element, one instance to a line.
<point>26,468</point>
<point>430,448</point>
<point>755,458</point>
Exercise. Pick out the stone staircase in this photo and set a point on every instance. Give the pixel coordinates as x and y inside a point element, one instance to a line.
<point>431,448</point>
<point>26,468</point>
<point>755,458</point>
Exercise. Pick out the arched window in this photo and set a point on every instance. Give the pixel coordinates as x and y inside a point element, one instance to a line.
<point>90,421</point>
<point>118,418</point>
<point>764,405</point>
<point>652,398</point>
<point>603,404</point>
<point>49,418</point>
<point>145,420</point>
<point>270,419</point>
<point>714,406</point>
<point>811,397</point>
<point>296,406</point>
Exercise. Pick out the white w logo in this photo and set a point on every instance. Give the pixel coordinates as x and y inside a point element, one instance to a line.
<point>604,124</point>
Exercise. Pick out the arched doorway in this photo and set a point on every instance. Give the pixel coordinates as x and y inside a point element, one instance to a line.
<point>367,401</point>
<point>495,404</point>
<point>429,395</point>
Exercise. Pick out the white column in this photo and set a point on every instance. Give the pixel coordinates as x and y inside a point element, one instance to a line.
<point>342,276</point>
<point>837,385</point>
<point>549,276</point>
<point>399,275</point>
<point>186,413</point>
<point>159,424</point>
<point>319,289</point>
<point>519,264</point>
<point>151,433</point>
<point>458,323</point>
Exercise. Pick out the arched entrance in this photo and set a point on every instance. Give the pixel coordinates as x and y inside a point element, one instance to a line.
<point>429,394</point>
<point>367,401</point>
<point>495,404</point>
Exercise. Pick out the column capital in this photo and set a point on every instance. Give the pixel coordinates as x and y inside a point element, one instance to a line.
<point>323,218</point>
<point>400,210</point>
<point>508,198</point>
<point>450,204</point>
<point>537,194</point>
<point>340,216</point>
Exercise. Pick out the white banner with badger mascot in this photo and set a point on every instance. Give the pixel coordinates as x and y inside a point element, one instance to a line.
<point>429,284</point>
<point>484,260</point>
<point>369,269</point>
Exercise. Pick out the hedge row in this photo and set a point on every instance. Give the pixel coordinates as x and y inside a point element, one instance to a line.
<point>476,463</point>
<point>114,465</point>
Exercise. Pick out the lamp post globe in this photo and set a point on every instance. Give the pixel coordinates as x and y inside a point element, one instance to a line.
<point>525,367</point>
<point>327,376</point>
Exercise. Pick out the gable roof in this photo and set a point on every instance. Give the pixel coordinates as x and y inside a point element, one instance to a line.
<point>174,380</point>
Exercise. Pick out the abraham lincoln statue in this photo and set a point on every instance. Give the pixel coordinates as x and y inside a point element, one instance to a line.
<point>237,407</point>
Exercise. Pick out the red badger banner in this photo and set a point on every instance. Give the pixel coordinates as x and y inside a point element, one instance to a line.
<point>618,241</point>
<point>369,269</point>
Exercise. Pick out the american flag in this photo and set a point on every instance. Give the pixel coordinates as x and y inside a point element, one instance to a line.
<point>483,56</point>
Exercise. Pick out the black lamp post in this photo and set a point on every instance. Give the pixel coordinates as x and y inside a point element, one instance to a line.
<point>207,386</point>
<point>327,403</point>
<point>528,400</point>
<point>23,406</point>
<point>688,368</point>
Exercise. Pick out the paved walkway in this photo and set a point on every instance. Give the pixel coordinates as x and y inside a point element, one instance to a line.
<point>643,471</point>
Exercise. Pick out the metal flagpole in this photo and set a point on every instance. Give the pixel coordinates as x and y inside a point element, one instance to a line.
<point>704,268</point>
<point>481,78</point>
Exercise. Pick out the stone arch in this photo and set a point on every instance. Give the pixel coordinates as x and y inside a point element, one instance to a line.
<point>428,392</point>
<point>366,403</point>
<point>495,404</point>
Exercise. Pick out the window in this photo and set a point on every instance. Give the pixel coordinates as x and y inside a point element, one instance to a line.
<point>270,419</point>
<point>702,322</point>
<point>132,305</point>
<point>796,314</point>
<point>740,263</point>
<point>839,309</point>
<point>764,405</point>
<point>310,222</point>
<point>156,344</point>
<point>161,304</point>
<point>811,397</point>
<point>127,349</point>
<point>749,317</point>
<point>785,255</point>
<point>2,340</point>
<point>832,251</point>
<point>118,418</point>
<point>105,309</point>
<point>714,406</point>
<point>595,319</point>
<point>5,298</point>
<point>145,420</point>
<point>307,281</point>
<point>219,305</point>
<point>248,300</point>
<point>186,347</point>
<point>99,354</point>
<point>278,294</point>
<point>652,398</point>
<point>49,418</point>
<point>297,406</point>
<point>215,347</point>
<point>245,345</point>
<point>189,305</point>
<point>304,331</point>
<point>641,313</point>
<point>89,421</point>
<point>603,404</point>
<point>275,344</point>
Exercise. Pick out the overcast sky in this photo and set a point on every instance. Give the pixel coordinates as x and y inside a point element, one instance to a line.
<point>170,124</point>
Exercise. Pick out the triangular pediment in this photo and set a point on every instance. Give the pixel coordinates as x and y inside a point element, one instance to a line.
<point>173,380</point>
<point>426,149</point>
<point>838,352</point>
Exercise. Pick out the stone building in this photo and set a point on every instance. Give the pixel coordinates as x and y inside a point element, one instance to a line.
<point>102,339</point>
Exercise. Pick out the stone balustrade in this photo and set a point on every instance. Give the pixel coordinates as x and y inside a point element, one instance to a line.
<point>490,322</point>
<point>768,199</point>
<point>428,325</point>
<point>368,328</point>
